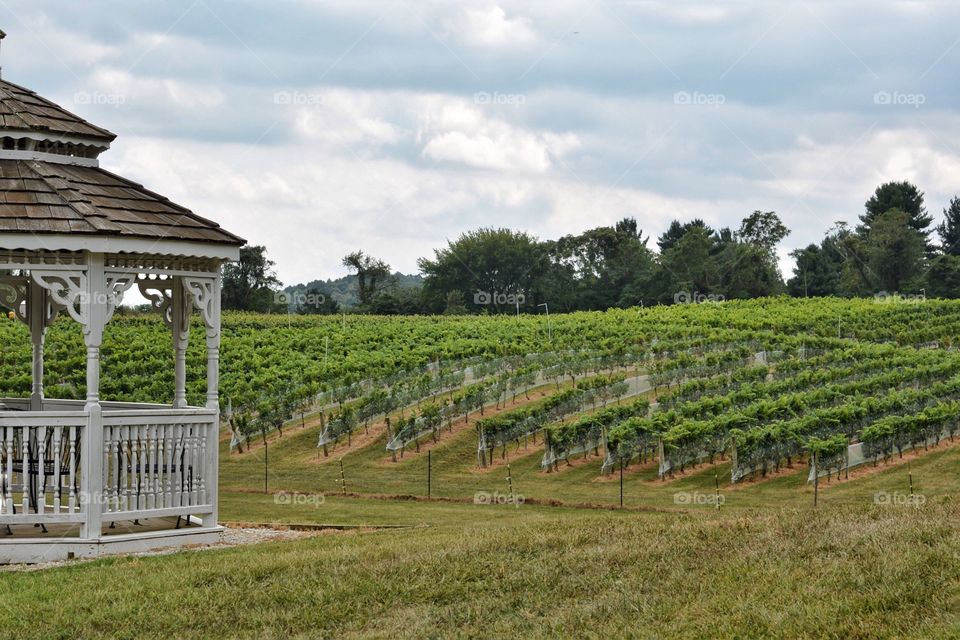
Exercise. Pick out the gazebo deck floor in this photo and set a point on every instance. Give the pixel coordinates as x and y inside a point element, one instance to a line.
<point>69,530</point>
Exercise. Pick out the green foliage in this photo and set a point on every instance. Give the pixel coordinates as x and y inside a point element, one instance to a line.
<point>949,229</point>
<point>372,274</point>
<point>481,264</point>
<point>903,196</point>
<point>250,284</point>
<point>895,252</point>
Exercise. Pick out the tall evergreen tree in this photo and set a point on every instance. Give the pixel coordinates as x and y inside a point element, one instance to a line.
<point>903,196</point>
<point>949,229</point>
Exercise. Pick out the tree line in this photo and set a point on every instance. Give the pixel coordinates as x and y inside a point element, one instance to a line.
<point>894,249</point>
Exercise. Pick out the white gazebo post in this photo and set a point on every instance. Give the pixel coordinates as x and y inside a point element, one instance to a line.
<point>180,328</point>
<point>213,396</point>
<point>93,309</point>
<point>36,301</point>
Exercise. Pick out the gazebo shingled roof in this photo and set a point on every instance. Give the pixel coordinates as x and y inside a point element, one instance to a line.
<point>46,197</point>
<point>22,109</point>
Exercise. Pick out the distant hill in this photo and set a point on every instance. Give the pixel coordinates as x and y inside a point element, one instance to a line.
<point>344,290</point>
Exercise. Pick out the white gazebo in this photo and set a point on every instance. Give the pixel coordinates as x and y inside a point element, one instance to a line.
<point>82,478</point>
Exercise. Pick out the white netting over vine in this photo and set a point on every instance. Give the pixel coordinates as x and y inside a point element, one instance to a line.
<point>588,433</point>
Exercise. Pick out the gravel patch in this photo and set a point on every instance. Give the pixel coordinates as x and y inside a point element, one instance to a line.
<point>231,537</point>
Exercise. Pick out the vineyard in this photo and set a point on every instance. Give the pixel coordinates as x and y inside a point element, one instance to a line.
<point>752,388</point>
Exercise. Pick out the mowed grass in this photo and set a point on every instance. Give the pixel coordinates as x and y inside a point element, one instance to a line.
<point>839,571</point>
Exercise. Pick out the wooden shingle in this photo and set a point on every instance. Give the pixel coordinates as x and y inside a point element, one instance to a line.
<point>48,197</point>
<point>23,109</point>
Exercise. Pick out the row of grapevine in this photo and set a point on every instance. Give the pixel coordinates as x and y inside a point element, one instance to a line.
<point>522,423</point>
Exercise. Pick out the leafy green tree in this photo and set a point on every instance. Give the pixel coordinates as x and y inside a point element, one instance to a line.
<point>943,279</point>
<point>372,275</point>
<point>558,284</point>
<point>406,301</point>
<point>677,230</point>
<point>748,262</point>
<point>598,269</point>
<point>455,305</point>
<point>763,229</point>
<point>818,269</point>
<point>487,267</point>
<point>895,251</point>
<point>690,264</point>
<point>251,284</point>
<point>315,301</point>
<point>747,270</point>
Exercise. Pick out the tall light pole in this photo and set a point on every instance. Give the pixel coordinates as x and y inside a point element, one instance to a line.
<point>549,332</point>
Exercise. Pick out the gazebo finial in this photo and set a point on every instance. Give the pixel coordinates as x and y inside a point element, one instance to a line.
<point>2,36</point>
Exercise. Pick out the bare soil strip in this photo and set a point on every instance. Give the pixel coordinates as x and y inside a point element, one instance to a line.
<point>633,469</point>
<point>470,500</point>
<point>513,454</point>
<point>799,466</point>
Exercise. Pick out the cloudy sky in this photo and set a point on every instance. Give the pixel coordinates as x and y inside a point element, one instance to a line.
<point>317,128</point>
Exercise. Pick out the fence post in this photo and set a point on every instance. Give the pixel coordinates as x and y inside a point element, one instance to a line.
<point>621,482</point>
<point>716,484</point>
<point>816,479</point>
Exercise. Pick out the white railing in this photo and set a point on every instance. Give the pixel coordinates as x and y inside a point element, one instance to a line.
<point>157,463</point>
<point>40,467</point>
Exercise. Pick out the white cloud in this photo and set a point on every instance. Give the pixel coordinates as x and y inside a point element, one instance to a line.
<point>465,135</point>
<point>342,117</point>
<point>688,12</point>
<point>163,95</point>
<point>495,151</point>
<point>491,27</point>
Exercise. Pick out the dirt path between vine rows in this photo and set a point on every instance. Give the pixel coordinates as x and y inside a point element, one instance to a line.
<point>632,470</point>
<point>693,470</point>
<point>799,466</point>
